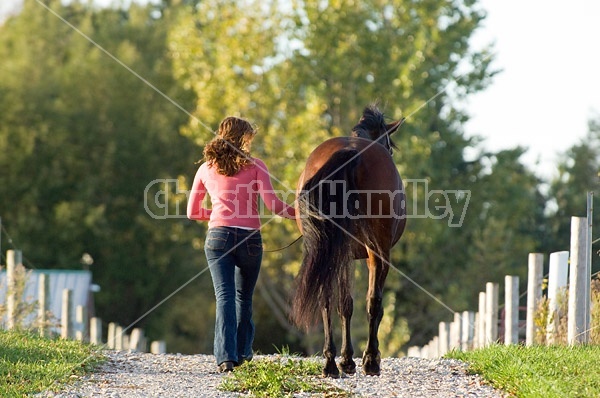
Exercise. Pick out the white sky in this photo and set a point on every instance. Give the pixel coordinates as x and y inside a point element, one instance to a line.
<point>549,52</point>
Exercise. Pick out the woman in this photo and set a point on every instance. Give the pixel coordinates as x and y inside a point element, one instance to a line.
<point>233,246</point>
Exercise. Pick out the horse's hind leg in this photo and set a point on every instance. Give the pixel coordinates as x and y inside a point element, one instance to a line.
<point>378,269</point>
<point>347,363</point>
<point>329,351</point>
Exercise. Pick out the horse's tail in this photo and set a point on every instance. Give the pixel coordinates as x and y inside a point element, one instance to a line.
<point>329,235</point>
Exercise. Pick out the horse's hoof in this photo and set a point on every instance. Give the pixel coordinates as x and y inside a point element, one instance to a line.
<point>371,366</point>
<point>333,375</point>
<point>331,371</point>
<point>348,367</point>
<point>372,371</point>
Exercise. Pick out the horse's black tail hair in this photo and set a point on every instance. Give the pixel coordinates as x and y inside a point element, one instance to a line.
<point>328,233</point>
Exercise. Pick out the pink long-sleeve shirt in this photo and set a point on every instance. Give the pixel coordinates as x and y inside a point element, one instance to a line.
<point>235,199</point>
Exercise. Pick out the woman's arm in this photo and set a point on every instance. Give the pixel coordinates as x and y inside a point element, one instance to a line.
<point>270,199</point>
<point>195,211</point>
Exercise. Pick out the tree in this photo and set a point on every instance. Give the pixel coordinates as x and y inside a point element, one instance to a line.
<point>415,59</point>
<point>95,144</point>
<point>578,174</point>
<point>82,138</point>
<point>329,62</point>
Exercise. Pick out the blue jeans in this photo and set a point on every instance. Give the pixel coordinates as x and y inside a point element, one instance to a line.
<point>234,256</point>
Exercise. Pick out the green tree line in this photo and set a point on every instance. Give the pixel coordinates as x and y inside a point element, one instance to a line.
<point>106,110</point>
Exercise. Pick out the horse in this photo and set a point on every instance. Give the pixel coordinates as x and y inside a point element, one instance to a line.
<point>351,204</point>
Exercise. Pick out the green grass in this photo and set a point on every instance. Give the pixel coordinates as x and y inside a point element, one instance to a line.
<point>538,371</point>
<point>280,376</point>
<point>30,364</point>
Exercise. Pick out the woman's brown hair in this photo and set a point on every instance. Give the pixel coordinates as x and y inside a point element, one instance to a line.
<point>229,151</point>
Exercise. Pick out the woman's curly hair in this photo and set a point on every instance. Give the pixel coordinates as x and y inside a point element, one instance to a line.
<point>229,151</point>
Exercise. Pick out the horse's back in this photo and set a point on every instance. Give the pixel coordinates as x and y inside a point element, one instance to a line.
<point>373,155</point>
<point>378,181</point>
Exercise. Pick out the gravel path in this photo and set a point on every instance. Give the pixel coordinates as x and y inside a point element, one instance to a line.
<point>138,375</point>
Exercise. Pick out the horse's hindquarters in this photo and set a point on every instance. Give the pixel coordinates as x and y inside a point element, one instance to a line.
<point>351,205</point>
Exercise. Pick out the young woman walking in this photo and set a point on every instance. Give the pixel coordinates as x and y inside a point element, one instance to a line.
<point>233,180</point>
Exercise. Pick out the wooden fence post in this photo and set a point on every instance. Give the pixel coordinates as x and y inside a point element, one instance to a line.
<point>66,319</point>
<point>557,281</point>
<point>476,331</point>
<point>511,309</point>
<point>43,304</point>
<point>81,323</point>
<point>578,279</point>
<point>434,348</point>
<point>455,332</point>
<point>96,331</point>
<point>160,347</point>
<point>590,217</point>
<point>468,328</point>
<point>444,337</point>
<point>414,351</point>
<point>491,313</point>
<point>535,276</point>
<point>481,323</point>
<point>110,338</point>
<point>119,338</point>
<point>13,259</point>
<point>136,341</point>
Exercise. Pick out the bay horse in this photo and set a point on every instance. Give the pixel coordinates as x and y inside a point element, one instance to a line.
<point>351,205</point>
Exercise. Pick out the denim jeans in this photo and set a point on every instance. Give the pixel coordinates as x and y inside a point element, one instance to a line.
<point>234,256</point>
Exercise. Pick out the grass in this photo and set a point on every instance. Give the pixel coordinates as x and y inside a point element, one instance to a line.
<point>538,371</point>
<point>30,364</point>
<point>279,376</point>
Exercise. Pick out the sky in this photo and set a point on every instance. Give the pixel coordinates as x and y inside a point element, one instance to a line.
<point>549,86</point>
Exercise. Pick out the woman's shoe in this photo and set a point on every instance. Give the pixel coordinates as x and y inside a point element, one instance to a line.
<point>226,366</point>
<point>243,360</point>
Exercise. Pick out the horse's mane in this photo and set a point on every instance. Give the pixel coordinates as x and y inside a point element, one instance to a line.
<point>371,125</point>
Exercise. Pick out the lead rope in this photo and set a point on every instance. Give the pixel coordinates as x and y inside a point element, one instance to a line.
<point>282,248</point>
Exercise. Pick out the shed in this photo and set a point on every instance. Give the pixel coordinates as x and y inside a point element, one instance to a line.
<point>79,281</point>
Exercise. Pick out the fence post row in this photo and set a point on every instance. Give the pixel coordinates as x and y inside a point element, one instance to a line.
<point>74,322</point>
<point>567,269</point>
